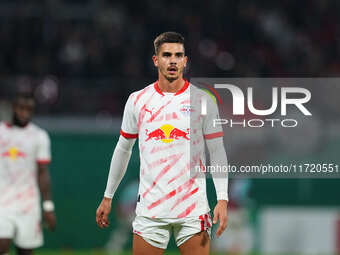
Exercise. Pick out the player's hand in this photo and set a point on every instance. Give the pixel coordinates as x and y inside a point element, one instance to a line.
<point>220,213</point>
<point>103,211</point>
<point>50,220</point>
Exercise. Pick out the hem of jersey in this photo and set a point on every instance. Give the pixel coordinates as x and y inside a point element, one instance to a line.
<point>34,246</point>
<point>128,135</point>
<point>157,217</point>
<point>213,135</point>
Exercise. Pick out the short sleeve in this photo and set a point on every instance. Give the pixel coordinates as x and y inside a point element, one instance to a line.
<point>44,148</point>
<point>211,130</point>
<point>129,127</point>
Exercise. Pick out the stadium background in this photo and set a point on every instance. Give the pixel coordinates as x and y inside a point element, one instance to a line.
<point>82,58</point>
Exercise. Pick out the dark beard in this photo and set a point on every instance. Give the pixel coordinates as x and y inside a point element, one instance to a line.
<point>16,122</point>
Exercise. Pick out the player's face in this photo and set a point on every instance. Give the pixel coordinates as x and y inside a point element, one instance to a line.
<point>23,111</point>
<point>171,60</point>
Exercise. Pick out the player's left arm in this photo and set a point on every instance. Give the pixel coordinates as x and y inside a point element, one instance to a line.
<point>218,157</point>
<point>213,135</point>
<point>44,180</point>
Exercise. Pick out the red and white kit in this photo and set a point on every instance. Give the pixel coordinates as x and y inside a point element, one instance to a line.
<point>171,132</point>
<point>20,151</point>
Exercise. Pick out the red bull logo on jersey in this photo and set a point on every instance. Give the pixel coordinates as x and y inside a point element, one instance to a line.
<point>167,133</point>
<point>13,153</point>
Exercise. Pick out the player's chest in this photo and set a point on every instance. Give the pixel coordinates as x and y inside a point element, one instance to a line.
<point>166,119</point>
<point>16,145</point>
<point>163,110</point>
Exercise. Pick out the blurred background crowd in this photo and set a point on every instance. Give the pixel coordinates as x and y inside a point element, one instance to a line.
<point>99,51</point>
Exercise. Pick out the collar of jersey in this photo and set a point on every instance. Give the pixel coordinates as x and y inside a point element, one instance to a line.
<point>9,125</point>
<point>186,85</point>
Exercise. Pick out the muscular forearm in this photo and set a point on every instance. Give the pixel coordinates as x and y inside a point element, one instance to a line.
<point>218,157</point>
<point>44,181</point>
<point>119,163</point>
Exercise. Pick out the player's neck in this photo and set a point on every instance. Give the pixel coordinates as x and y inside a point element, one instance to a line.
<point>15,122</point>
<point>170,86</point>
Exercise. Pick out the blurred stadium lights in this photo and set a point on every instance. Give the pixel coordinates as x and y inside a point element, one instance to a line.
<point>225,60</point>
<point>207,48</point>
<point>84,44</point>
<point>57,9</point>
<point>24,84</point>
<point>47,91</point>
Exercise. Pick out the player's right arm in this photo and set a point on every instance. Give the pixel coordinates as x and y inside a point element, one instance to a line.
<point>119,162</point>
<point>213,136</point>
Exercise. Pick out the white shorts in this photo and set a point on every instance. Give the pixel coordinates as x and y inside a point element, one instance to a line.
<point>157,231</point>
<point>23,229</point>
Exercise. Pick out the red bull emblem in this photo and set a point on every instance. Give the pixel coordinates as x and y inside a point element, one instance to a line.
<point>13,153</point>
<point>167,133</point>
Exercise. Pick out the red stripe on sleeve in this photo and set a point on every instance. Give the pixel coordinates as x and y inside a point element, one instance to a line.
<point>43,161</point>
<point>127,135</point>
<point>213,135</point>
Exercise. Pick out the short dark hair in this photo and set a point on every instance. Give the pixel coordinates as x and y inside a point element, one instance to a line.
<point>167,37</point>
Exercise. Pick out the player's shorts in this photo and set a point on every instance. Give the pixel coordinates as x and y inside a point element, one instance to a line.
<point>23,229</point>
<point>157,231</point>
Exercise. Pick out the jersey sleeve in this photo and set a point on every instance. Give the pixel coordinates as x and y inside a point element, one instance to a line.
<point>44,148</point>
<point>211,131</point>
<point>129,127</point>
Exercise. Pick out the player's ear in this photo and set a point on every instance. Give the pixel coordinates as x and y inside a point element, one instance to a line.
<point>185,61</point>
<point>155,60</point>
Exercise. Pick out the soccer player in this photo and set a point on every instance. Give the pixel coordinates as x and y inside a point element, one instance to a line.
<point>24,158</point>
<point>166,118</point>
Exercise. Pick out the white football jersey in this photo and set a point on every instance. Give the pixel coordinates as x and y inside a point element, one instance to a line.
<point>171,132</point>
<point>20,151</point>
